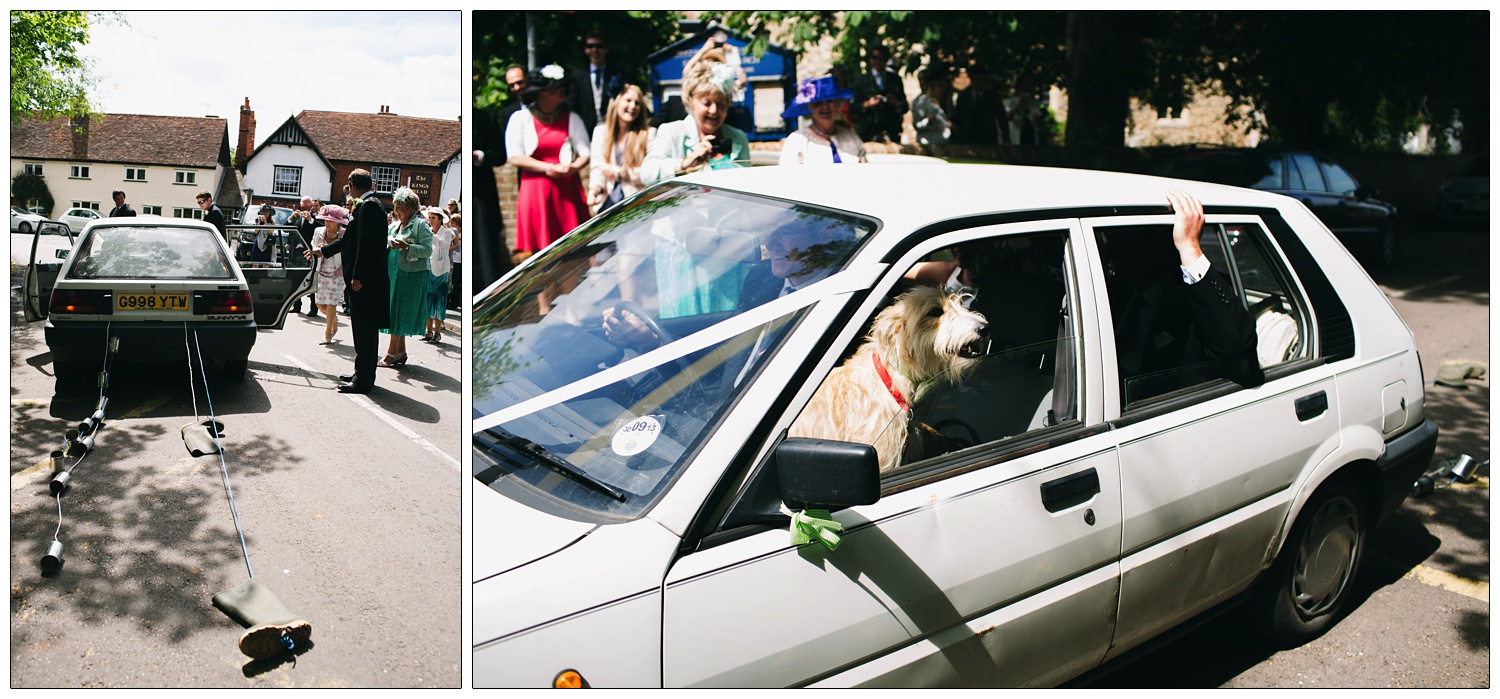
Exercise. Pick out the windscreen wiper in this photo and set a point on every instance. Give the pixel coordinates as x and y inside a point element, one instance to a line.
<point>545,458</point>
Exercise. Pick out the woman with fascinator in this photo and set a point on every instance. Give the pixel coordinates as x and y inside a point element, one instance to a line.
<point>827,140</point>
<point>550,147</point>
<point>702,140</point>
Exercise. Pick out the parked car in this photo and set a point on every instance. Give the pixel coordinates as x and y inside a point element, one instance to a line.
<point>634,487</point>
<point>146,280</point>
<point>78,218</point>
<point>1466,194</point>
<point>23,221</point>
<point>1355,214</point>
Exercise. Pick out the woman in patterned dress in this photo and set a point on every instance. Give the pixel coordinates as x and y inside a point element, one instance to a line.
<point>330,273</point>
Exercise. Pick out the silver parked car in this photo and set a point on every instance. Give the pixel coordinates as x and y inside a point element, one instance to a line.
<point>682,468</point>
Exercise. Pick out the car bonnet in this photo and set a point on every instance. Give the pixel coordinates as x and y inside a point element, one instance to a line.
<point>509,534</point>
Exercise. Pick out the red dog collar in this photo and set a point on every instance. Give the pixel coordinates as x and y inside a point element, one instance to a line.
<point>886,378</point>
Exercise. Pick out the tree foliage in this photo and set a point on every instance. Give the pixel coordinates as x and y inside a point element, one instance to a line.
<point>500,40</point>
<point>47,76</point>
<point>24,188</point>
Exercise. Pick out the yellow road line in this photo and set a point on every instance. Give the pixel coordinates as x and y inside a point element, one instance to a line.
<point>1449,582</point>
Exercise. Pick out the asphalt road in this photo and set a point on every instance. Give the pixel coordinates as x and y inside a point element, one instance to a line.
<point>1420,614</point>
<point>350,505</point>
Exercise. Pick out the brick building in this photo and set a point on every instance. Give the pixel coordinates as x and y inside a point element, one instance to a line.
<point>312,154</point>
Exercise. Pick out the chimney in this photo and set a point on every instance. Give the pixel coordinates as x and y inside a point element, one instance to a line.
<point>247,136</point>
<point>78,131</point>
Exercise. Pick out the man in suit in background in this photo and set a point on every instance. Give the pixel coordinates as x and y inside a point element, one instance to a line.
<point>211,213</point>
<point>589,91</point>
<point>879,99</point>
<point>978,112</point>
<point>366,277</point>
<point>121,208</point>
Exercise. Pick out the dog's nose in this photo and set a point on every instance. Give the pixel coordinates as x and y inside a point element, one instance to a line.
<point>983,330</point>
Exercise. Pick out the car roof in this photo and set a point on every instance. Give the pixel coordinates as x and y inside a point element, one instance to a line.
<point>910,196</point>
<point>151,220</point>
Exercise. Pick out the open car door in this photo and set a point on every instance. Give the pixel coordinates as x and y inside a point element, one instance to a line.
<point>275,269</point>
<point>50,244</point>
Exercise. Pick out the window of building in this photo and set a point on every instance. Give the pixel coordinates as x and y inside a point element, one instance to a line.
<point>149,210</point>
<point>386,179</point>
<point>86,205</point>
<point>135,174</point>
<point>33,169</point>
<point>288,181</point>
<point>194,212</point>
<point>185,177</point>
<point>80,172</point>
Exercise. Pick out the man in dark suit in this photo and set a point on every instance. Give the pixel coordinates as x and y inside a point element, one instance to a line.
<point>121,208</point>
<point>1177,320</point>
<point>589,91</point>
<point>491,253</point>
<point>211,213</point>
<point>302,218</point>
<point>978,112</point>
<point>879,99</point>
<point>366,277</point>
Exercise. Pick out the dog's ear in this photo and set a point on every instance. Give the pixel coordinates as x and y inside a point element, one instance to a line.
<point>885,331</point>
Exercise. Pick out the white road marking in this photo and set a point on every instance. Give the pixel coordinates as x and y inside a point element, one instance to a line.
<point>385,417</point>
<point>1421,287</point>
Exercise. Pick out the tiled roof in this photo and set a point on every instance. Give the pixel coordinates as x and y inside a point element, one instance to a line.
<point>125,138</point>
<point>382,138</point>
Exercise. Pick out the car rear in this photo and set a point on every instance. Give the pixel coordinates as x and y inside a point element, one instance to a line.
<point>149,283</point>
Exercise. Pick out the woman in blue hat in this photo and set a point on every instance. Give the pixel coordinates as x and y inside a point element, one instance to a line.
<point>826,141</point>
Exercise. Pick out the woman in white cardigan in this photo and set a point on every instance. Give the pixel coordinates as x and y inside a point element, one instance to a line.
<point>550,147</point>
<point>929,115</point>
<point>825,141</point>
<point>618,149</point>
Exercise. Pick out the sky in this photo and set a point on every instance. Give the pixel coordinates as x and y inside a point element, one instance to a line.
<point>172,64</point>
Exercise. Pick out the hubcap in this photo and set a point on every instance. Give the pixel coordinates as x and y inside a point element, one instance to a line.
<point>1326,557</point>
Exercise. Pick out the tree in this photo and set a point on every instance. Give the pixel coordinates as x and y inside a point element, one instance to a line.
<point>24,188</point>
<point>500,40</point>
<point>47,76</point>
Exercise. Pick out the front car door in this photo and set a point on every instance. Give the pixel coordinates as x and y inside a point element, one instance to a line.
<point>49,247</point>
<point>993,564</point>
<point>1207,465</point>
<point>274,267</point>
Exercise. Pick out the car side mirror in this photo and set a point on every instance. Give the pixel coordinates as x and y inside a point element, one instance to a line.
<point>826,473</point>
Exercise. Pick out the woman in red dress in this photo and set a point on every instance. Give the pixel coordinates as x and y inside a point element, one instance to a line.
<point>550,147</point>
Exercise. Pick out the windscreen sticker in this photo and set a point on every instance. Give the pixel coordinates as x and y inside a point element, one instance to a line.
<point>636,436</point>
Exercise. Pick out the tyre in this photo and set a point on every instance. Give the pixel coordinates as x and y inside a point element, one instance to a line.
<point>1389,245</point>
<point>1299,597</point>
<point>24,227</point>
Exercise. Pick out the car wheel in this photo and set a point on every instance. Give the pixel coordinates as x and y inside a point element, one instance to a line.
<point>24,227</point>
<point>1302,593</point>
<point>1388,245</point>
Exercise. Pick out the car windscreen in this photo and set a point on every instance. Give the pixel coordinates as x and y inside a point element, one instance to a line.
<point>679,264</point>
<point>150,252</point>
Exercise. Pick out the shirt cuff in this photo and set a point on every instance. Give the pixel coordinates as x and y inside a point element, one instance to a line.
<point>1195,271</point>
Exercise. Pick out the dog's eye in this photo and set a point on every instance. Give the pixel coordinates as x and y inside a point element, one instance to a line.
<point>936,312</point>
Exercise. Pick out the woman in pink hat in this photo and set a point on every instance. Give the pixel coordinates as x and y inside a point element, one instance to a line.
<point>330,293</point>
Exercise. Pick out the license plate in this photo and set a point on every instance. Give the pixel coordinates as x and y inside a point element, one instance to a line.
<point>151,302</point>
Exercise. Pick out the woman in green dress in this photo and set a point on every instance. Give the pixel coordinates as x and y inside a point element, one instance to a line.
<point>410,244</point>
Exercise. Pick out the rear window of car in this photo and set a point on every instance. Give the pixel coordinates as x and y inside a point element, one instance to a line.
<point>150,252</point>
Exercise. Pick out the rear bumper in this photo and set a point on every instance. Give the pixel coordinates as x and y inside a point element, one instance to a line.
<point>1406,457</point>
<point>149,342</point>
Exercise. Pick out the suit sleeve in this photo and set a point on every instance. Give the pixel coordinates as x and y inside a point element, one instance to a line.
<point>1224,326</point>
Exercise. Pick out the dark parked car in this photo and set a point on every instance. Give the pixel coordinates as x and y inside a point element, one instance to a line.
<point>1352,212</point>
<point>1466,194</point>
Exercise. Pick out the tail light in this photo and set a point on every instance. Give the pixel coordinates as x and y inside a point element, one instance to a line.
<point>228,301</point>
<point>76,301</point>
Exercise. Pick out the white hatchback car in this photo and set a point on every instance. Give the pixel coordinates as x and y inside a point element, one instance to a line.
<point>78,218</point>
<point>23,221</point>
<point>149,281</point>
<point>1104,468</point>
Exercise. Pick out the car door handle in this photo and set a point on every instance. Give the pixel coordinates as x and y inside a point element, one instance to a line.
<point>1309,407</point>
<point>1070,490</point>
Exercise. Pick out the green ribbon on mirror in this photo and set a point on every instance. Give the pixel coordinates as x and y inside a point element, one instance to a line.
<point>815,525</point>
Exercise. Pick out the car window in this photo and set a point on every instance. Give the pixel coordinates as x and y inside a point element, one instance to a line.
<point>1307,169</point>
<point>150,252</point>
<point>1016,376</point>
<point>1168,341</point>
<point>1270,174</point>
<point>1339,179</point>
<point>680,264</point>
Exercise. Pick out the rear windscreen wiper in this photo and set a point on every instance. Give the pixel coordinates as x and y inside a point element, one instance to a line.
<point>546,458</point>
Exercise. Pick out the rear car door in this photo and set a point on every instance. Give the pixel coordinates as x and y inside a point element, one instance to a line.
<point>1208,463</point>
<point>994,564</point>
<point>49,247</point>
<point>276,271</point>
